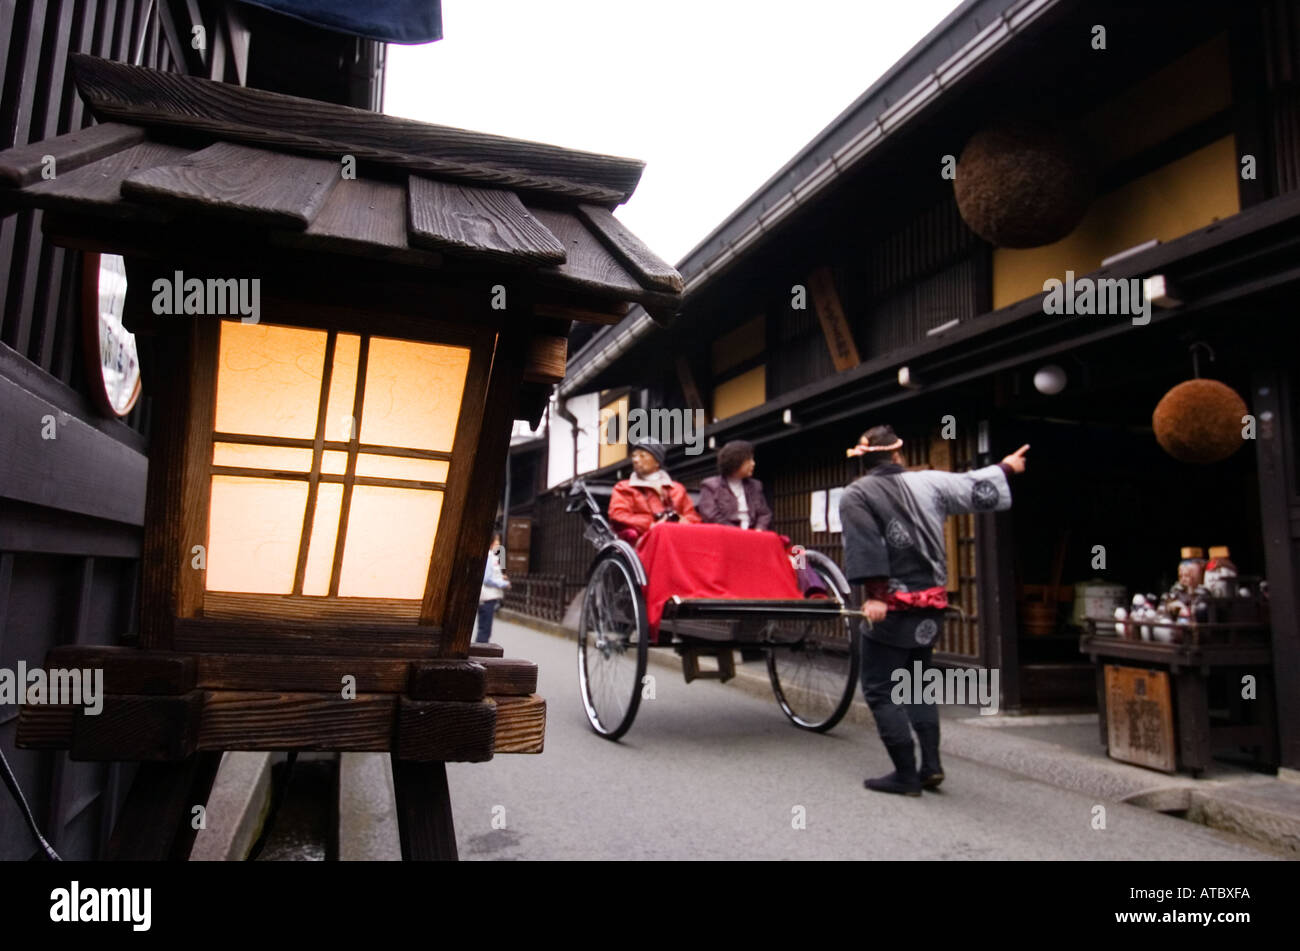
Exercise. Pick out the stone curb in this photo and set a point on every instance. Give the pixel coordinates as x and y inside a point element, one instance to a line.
<point>237,806</point>
<point>367,809</point>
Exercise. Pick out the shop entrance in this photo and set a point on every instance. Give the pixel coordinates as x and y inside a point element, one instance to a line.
<point>1104,505</point>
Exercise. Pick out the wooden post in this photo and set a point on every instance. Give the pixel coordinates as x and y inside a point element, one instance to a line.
<point>1269,401</point>
<point>424,821</point>
<point>156,821</point>
<point>182,375</point>
<point>485,467</point>
<point>1193,719</point>
<point>999,635</point>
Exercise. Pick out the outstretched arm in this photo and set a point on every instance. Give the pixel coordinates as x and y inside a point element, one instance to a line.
<point>980,490</point>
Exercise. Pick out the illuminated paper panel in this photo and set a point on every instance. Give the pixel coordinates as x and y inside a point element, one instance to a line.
<point>413,393</point>
<point>253,534</point>
<point>402,467</point>
<point>389,542</point>
<point>268,380</point>
<point>281,458</point>
<point>333,462</point>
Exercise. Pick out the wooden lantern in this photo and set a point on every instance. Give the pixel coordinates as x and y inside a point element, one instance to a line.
<point>325,466</point>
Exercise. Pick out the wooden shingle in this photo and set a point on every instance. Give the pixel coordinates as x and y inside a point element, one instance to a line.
<point>490,221</point>
<point>235,181</point>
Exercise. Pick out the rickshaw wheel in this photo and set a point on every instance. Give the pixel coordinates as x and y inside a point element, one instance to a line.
<point>613,641</point>
<point>815,672</point>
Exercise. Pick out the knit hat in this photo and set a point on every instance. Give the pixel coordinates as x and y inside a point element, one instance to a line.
<point>658,450</point>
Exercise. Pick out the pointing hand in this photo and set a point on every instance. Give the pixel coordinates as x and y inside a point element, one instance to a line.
<point>1017,459</point>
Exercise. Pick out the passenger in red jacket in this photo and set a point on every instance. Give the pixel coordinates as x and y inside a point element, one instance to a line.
<point>649,496</point>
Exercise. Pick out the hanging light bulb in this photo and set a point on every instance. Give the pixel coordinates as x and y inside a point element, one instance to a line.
<point>1050,380</point>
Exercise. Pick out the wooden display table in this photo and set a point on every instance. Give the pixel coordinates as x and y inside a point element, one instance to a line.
<point>1229,651</point>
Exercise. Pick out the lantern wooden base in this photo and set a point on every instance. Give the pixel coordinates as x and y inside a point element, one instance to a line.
<point>163,706</point>
<point>175,712</point>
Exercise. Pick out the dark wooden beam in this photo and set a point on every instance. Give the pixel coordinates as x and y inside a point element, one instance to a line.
<point>247,720</point>
<point>51,458</point>
<point>129,670</point>
<point>1275,452</point>
<point>139,727</point>
<point>274,636</point>
<point>586,315</point>
<point>460,680</point>
<point>35,528</point>
<point>325,673</point>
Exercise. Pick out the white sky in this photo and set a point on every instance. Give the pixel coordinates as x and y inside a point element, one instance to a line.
<point>713,95</point>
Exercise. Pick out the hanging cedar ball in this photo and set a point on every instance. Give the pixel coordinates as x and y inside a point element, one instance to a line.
<point>1199,421</point>
<point>1020,184</point>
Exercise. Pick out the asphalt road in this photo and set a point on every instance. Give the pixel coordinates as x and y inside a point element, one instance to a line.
<point>710,772</point>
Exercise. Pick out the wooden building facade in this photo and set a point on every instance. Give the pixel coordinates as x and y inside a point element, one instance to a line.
<point>850,291</point>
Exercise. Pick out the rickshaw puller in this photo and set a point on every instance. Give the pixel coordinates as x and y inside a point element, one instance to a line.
<point>894,546</point>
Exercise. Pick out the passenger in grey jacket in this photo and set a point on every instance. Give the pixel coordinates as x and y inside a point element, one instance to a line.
<point>735,497</point>
<point>894,547</point>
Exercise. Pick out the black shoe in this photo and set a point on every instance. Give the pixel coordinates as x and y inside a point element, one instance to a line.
<point>931,772</point>
<point>931,780</point>
<point>903,781</point>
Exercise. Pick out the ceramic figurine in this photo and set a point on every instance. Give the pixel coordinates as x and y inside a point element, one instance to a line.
<point>1220,573</point>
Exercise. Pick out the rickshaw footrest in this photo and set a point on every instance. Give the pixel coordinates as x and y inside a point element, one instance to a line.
<point>691,664</point>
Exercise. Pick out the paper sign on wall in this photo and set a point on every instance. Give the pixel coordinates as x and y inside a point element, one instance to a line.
<point>817,518</point>
<point>833,509</point>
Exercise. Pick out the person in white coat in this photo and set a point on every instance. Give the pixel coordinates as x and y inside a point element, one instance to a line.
<point>495,584</point>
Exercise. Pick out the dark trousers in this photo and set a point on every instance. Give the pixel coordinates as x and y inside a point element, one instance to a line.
<point>894,721</point>
<point>486,611</point>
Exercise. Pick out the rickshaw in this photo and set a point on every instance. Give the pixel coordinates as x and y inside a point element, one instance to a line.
<point>811,645</point>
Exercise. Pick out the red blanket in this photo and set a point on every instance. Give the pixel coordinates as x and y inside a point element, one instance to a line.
<point>713,561</point>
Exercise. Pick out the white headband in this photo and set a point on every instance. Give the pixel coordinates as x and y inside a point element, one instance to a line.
<point>859,449</point>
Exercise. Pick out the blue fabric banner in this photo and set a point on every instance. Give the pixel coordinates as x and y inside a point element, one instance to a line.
<point>390,21</point>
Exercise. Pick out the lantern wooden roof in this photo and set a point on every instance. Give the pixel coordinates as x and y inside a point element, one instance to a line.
<point>177,150</point>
